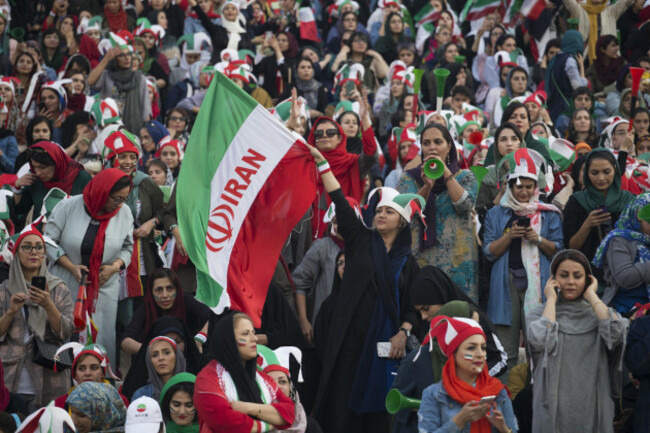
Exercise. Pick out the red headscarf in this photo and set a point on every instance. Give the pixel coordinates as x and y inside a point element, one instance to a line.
<point>116,21</point>
<point>345,167</point>
<point>95,195</point>
<point>4,392</point>
<point>66,168</point>
<point>88,48</point>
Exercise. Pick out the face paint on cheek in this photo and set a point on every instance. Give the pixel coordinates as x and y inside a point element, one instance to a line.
<point>468,356</point>
<point>241,341</point>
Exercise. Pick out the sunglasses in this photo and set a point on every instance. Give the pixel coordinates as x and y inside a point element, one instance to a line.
<point>178,119</point>
<point>321,133</point>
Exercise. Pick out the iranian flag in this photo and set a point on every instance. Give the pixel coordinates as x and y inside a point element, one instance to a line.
<point>426,15</point>
<point>477,9</point>
<point>246,182</point>
<point>308,28</point>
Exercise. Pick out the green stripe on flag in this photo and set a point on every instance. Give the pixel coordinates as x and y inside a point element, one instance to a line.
<point>223,111</point>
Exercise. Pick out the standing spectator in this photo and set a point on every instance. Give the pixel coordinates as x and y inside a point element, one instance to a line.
<point>577,346</point>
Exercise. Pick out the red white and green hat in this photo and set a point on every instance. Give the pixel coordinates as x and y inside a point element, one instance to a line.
<point>462,121</point>
<point>79,350</point>
<point>504,58</point>
<point>407,205</point>
<point>334,10</point>
<point>563,154</point>
<point>118,41</point>
<point>10,82</point>
<point>105,112</point>
<point>523,163</point>
<point>331,211</point>
<point>279,359</point>
<point>57,87</point>
<point>49,419</point>
<point>235,57</point>
<point>142,26</point>
<point>195,43</point>
<point>353,72</point>
<point>399,71</point>
<point>283,110</point>
<point>121,141</point>
<point>538,98</point>
<point>88,24</point>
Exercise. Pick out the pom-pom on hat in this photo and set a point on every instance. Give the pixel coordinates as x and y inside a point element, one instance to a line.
<point>504,58</point>
<point>524,163</point>
<point>278,360</point>
<point>538,98</point>
<point>88,24</point>
<point>451,332</point>
<point>407,205</point>
<point>79,350</point>
<point>118,41</point>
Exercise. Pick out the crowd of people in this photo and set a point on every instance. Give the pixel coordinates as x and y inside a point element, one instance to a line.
<point>479,242</point>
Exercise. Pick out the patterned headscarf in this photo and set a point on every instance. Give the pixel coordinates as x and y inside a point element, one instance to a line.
<point>101,403</point>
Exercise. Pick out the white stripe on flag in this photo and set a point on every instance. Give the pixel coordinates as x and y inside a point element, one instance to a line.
<point>259,145</point>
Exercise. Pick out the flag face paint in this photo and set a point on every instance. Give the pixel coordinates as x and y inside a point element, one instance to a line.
<point>241,342</point>
<point>468,356</point>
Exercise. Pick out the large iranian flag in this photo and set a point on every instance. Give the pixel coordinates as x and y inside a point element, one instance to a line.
<point>245,183</point>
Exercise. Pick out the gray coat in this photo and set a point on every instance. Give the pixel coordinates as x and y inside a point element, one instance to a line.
<point>621,270</point>
<point>67,227</point>
<point>315,274</point>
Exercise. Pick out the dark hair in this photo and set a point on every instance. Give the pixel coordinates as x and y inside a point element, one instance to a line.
<point>571,133</point>
<point>502,39</point>
<point>153,312</point>
<point>345,14</point>
<point>123,182</point>
<point>642,59</point>
<point>510,110</point>
<point>512,182</point>
<point>583,90</point>
<point>360,35</point>
<point>398,116</point>
<point>573,255</point>
<point>638,110</point>
<point>462,90</point>
<point>34,67</point>
<point>222,347</point>
<point>187,387</point>
<point>390,16</point>
<point>158,163</point>
<point>443,130</point>
<point>508,125</point>
<point>7,423</point>
<point>79,60</point>
<point>304,59</point>
<point>606,40</point>
<point>553,43</point>
<point>326,120</point>
<point>39,155</point>
<point>29,132</point>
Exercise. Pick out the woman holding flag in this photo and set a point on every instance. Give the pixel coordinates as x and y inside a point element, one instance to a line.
<point>93,232</point>
<point>375,317</point>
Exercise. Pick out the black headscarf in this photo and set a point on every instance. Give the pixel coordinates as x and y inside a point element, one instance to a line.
<point>223,348</point>
<point>433,286</point>
<point>138,374</point>
<point>69,127</point>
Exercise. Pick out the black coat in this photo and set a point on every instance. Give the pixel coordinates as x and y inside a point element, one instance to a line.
<point>358,288</point>
<point>637,359</point>
<point>219,36</point>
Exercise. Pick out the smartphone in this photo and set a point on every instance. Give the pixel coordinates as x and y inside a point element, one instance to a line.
<point>267,35</point>
<point>523,222</point>
<point>488,400</point>
<point>602,209</point>
<point>383,349</point>
<point>350,87</point>
<point>39,282</point>
<point>40,106</point>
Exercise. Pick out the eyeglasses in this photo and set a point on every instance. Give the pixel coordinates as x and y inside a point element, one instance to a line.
<point>124,55</point>
<point>29,248</point>
<point>319,133</point>
<point>118,200</point>
<point>360,41</point>
<point>178,119</point>
<point>621,133</point>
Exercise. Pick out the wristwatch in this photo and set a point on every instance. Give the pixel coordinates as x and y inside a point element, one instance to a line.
<point>406,331</point>
<point>539,240</point>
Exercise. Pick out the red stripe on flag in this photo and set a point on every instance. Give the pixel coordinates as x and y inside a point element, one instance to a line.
<point>280,204</point>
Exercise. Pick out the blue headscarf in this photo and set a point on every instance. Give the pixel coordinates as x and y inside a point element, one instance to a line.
<point>101,403</point>
<point>572,42</point>
<point>628,227</point>
<point>157,131</point>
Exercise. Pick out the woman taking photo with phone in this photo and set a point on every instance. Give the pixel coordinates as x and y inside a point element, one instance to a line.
<point>591,213</point>
<point>467,394</point>
<point>31,313</point>
<point>521,235</point>
<point>577,345</point>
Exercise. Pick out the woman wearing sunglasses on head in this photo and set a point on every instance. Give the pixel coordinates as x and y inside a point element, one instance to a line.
<point>348,168</point>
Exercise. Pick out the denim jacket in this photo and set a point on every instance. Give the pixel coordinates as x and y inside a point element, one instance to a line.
<point>437,410</point>
<point>499,305</point>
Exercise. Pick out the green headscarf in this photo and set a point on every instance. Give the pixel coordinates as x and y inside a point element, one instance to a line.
<point>170,425</point>
<point>590,198</point>
<point>438,359</point>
